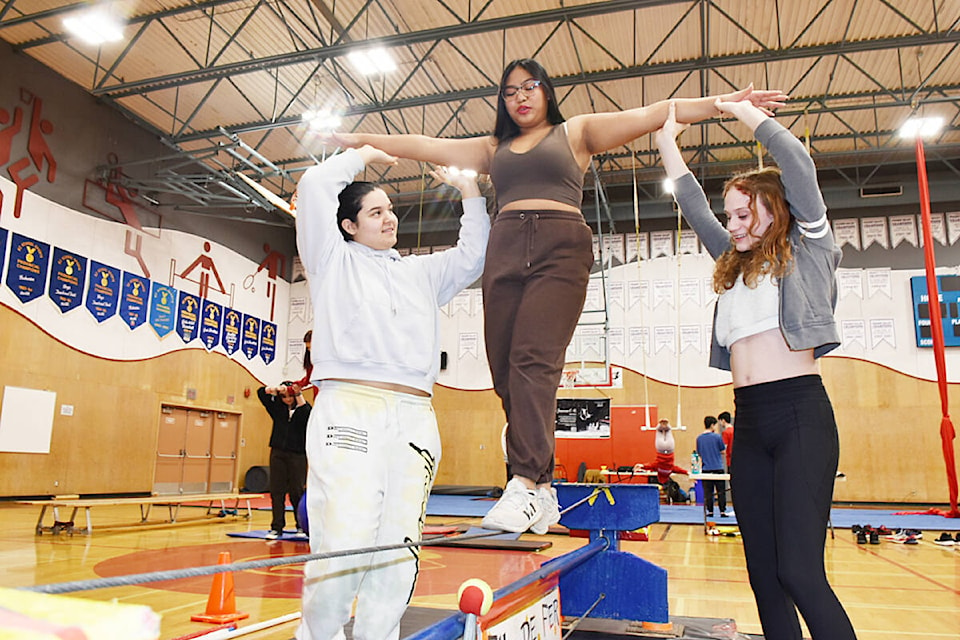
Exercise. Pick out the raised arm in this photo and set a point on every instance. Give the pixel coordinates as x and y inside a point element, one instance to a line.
<point>469,153</point>
<point>317,202</point>
<point>458,267</point>
<point>797,170</point>
<point>690,197</point>
<point>601,132</point>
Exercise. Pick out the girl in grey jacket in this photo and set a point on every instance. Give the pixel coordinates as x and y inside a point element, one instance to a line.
<point>775,276</point>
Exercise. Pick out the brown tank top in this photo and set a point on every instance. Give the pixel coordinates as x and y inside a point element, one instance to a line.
<point>547,172</point>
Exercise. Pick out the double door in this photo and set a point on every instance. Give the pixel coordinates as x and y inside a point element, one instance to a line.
<point>196,451</point>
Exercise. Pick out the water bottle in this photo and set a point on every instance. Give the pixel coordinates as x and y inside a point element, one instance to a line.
<point>695,464</point>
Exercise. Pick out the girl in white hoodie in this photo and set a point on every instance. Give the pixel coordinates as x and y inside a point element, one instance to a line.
<point>372,441</point>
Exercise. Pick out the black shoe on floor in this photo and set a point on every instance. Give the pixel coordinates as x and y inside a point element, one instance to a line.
<point>861,537</point>
<point>874,537</point>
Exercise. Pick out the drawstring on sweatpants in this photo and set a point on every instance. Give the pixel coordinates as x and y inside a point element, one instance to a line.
<point>531,232</point>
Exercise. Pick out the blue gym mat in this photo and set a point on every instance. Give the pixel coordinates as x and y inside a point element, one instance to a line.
<point>841,518</point>
<point>288,536</point>
<point>454,505</point>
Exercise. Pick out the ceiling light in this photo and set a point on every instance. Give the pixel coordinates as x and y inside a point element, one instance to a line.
<point>95,27</point>
<point>372,61</point>
<point>668,185</point>
<point>321,120</point>
<point>921,126</point>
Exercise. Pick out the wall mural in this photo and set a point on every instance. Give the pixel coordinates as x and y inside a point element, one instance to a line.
<point>76,277</point>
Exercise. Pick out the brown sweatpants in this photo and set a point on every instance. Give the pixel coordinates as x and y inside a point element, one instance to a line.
<point>534,285</point>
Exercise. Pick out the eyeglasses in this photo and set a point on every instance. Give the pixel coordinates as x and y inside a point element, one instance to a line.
<point>527,86</point>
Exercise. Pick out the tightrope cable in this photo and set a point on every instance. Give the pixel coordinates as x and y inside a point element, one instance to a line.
<point>193,572</point>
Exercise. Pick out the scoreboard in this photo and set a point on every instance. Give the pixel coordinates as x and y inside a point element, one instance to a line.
<point>949,310</point>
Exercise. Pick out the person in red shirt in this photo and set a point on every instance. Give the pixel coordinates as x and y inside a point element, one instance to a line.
<point>726,432</point>
<point>665,446</point>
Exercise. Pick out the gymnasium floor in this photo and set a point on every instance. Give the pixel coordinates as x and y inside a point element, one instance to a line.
<point>891,591</point>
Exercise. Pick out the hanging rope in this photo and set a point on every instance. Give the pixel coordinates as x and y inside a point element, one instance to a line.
<point>679,344</point>
<point>636,230</point>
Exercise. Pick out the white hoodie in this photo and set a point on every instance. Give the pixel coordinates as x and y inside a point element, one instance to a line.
<point>376,314</point>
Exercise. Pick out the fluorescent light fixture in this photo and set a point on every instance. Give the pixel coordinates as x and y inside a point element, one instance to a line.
<point>95,27</point>
<point>372,61</point>
<point>321,120</point>
<point>454,171</point>
<point>921,126</point>
<point>668,185</point>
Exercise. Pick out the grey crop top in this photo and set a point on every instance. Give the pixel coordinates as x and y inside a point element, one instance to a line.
<point>547,172</point>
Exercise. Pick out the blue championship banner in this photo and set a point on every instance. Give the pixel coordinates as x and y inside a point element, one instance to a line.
<point>163,302</point>
<point>188,310</point>
<point>3,248</point>
<point>27,273</point>
<point>67,275</point>
<point>232,320</point>
<point>103,291</point>
<point>250,336</point>
<point>268,341</point>
<point>210,320</point>
<point>135,299</point>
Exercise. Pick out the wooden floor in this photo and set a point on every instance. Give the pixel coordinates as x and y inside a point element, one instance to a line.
<point>891,591</point>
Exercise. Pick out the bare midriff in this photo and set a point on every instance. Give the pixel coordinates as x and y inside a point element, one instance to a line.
<point>535,204</point>
<point>765,357</point>
<point>388,386</point>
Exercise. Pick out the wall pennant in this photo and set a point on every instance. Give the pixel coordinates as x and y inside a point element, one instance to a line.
<point>163,304</point>
<point>67,276</point>
<point>211,319</point>
<point>103,291</point>
<point>27,272</point>
<point>134,300</point>
<point>188,314</point>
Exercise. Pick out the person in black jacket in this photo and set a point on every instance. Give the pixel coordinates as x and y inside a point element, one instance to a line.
<point>288,454</point>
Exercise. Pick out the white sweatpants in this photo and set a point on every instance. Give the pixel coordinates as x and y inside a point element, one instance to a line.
<point>373,455</point>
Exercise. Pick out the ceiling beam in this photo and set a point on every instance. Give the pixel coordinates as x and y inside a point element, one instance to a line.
<point>398,40</point>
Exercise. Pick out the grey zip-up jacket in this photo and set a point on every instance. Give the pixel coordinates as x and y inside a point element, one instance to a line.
<point>808,293</point>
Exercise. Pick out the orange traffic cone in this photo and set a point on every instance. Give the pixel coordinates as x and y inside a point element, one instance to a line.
<point>221,606</point>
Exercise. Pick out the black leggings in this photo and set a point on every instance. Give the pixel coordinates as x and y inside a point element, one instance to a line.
<point>785,454</point>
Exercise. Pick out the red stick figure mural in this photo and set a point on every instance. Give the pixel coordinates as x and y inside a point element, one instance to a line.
<point>37,152</point>
<point>274,263</point>
<point>206,265</point>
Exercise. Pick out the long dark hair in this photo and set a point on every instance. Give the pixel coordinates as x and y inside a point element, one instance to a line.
<point>351,199</point>
<point>307,362</point>
<point>505,128</point>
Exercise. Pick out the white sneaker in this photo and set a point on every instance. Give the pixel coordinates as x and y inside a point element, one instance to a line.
<point>547,497</point>
<point>517,510</point>
<point>273,534</point>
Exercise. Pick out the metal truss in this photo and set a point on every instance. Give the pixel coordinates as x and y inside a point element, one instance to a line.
<point>851,131</point>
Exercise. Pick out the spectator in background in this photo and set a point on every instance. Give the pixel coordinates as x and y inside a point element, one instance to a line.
<point>726,432</point>
<point>710,449</point>
<point>288,454</point>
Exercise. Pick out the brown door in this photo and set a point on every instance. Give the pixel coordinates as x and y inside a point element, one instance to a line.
<point>196,461</point>
<point>223,464</point>
<point>168,475</point>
